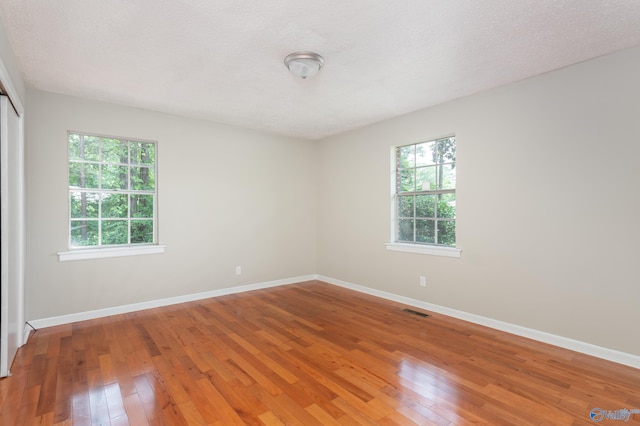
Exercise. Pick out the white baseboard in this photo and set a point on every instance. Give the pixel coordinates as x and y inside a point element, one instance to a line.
<point>541,336</point>
<point>563,342</point>
<point>26,333</point>
<point>100,313</point>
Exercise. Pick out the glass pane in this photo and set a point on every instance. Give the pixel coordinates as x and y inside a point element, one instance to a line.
<point>425,205</point>
<point>143,153</point>
<point>407,182</point>
<point>447,206</point>
<point>115,232</point>
<point>83,175</point>
<point>425,153</point>
<point>425,231</point>
<point>426,178</point>
<point>83,148</point>
<point>141,231</point>
<point>447,232</point>
<point>142,178</point>
<point>115,151</point>
<point>405,206</point>
<point>115,205</point>
<point>446,150</point>
<point>74,146</point>
<point>447,176</point>
<point>405,230</point>
<point>115,177</point>
<point>407,156</point>
<point>84,204</point>
<point>142,206</point>
<point>84,233</point>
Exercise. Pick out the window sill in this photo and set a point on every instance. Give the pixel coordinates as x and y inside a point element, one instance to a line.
<point>84,254</point>
<point>424,249</point>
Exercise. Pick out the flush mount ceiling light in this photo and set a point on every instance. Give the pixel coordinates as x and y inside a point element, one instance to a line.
<point>304,64</point>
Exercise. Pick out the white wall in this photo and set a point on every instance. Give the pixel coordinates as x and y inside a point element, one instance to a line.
<point>227,197</point>
<point>8,61</point>
<point>548,204</point>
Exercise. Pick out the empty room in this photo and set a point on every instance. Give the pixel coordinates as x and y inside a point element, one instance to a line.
<point>315,213</point>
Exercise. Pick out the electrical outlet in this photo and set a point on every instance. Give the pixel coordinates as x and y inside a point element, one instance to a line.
<point>423,281</point>
<point>238,270</point>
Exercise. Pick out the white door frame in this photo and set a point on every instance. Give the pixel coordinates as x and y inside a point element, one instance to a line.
<point>19,202</point>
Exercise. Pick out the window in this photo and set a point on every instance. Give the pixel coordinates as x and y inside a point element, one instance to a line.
<point>425,193</point>
<point>112,192</point>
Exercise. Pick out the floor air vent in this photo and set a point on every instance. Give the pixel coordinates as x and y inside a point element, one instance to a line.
<point>420,314</point>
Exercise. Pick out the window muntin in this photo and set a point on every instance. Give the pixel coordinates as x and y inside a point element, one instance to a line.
<point>425,196</point>
<point>112,191</point>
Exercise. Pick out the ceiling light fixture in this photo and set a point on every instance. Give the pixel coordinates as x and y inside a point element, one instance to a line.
<point>304,64</point>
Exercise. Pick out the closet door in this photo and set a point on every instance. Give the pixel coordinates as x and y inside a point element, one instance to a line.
<point>11,247</point>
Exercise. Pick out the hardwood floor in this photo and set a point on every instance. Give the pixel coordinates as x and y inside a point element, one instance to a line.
<point>308,353</point>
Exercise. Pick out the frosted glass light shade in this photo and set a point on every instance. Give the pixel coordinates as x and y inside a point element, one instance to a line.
<point>304,64</point>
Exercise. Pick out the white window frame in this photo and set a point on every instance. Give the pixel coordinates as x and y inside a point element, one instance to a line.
<point>412,247</point>
<point>116,250</point>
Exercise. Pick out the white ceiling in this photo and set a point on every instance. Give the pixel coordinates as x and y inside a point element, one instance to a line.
<point>221,60</point>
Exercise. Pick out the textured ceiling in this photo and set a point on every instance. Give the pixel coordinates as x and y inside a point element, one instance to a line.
<point>221,60</point>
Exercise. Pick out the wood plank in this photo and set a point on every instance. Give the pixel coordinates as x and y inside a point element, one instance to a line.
<point>134,410</point>
<point>81,404</point>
